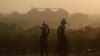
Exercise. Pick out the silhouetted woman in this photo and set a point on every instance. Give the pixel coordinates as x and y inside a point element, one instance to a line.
<point>43,39</point>
<point>62,40</point>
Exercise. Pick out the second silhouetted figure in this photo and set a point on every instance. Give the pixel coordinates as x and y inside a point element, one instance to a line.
<point>62,40</point>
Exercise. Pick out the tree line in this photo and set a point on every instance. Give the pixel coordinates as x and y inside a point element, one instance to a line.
<point>17,40</point>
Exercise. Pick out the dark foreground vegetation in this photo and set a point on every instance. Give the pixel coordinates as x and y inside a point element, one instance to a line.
<point>15,40</point>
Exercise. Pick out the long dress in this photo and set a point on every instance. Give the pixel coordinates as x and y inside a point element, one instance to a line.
<point>43,40</point>
<point>62,41</point>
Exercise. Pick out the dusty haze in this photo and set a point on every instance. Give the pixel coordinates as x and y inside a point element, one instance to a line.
<point>72,6</point>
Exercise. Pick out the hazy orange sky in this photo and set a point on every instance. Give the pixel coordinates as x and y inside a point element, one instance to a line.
<point>72,6</point>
